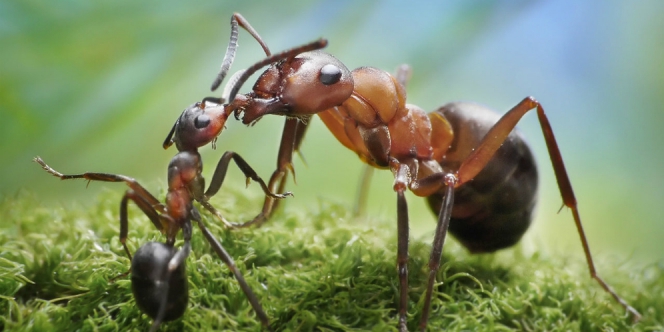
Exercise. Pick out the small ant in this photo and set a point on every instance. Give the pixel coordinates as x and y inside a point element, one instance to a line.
<point>158,273</point>
<point>158,276</point>
<point>476,171</point>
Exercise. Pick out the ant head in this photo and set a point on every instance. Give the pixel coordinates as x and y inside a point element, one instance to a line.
<point>313,82</point>
<point>198,125</point>
<point>299,82</point>
<point>303,85</point>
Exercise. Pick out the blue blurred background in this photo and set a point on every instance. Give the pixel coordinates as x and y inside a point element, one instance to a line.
<point>96,86</point>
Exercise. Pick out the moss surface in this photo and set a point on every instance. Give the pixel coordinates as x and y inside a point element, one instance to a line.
<point>319,270</point>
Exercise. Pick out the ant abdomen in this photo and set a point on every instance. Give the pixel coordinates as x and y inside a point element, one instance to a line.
<point>494,210</point>
<point>152,284</point>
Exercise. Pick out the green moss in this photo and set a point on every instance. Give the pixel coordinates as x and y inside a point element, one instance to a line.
<point>320,270</point>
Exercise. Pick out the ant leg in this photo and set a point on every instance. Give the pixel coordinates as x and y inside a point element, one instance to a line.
<point>402,258</point>
<point>424,187</point>
<point>228,260</point>
<point>137,193</point>
<point>249,173</point>
<point>290,145</point>
<point>438,242</point>
<point>292,135</point>
<point>218,179</point>
<point>143,198</point>
<point>124,224</point>
<point>106,177</point>
<point>363,190</point>
<point>492,141</point>
<point>401,178</point>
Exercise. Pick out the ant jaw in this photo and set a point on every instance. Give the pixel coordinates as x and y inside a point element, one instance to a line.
<point>257,108</point>
<point>302,118</point>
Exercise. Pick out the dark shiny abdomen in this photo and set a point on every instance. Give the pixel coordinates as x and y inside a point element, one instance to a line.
<point>493,210</point>
<point>149,283</point>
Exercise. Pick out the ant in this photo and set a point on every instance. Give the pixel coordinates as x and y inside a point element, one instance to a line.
<point>477,173</point>
<point>158,269</point>
<point>159,282</point>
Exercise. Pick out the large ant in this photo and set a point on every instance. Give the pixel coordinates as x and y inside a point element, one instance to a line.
<point>158,276</point>
<point>475,170</point>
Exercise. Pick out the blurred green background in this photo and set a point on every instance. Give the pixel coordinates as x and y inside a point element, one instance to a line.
<point>96,86</point>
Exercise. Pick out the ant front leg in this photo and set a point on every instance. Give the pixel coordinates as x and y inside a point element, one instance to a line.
<point>218,179</point>
<point>137,193</point>
<point>495,138</point>
<point>293,133</point>
<point>106,177</point>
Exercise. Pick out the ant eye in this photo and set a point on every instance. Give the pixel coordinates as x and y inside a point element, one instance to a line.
<point>330,74</point>
<point>201,121</point>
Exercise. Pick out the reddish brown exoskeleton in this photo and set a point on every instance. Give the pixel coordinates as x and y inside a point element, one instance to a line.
<point>158,276</point>
<point>434,155</point>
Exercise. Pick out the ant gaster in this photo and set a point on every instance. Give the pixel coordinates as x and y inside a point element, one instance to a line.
<point>475,170</point>
<point>158,277</point>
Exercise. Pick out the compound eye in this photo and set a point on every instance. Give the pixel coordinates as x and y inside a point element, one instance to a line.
<point>202,121</point>
<point>329,74</point>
